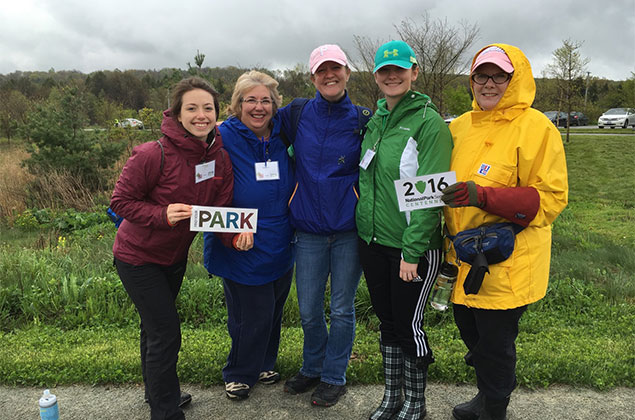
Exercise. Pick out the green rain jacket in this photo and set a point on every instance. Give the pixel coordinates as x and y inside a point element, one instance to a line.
<point>411,140</point>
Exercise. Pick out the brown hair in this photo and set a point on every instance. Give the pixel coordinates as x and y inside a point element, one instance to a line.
<point>186,85</point>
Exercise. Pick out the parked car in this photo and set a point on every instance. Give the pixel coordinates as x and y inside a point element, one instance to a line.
<point>129,123</point>
<point>578,119</point>
<point>617,117</point>
<point>559,119</point>
<point>448,118</point>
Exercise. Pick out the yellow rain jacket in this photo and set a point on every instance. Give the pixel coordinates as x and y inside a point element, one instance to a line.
<point>512,145</point>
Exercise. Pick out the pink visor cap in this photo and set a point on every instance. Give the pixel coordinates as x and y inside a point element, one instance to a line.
<point>494,55</point>
<point>325,53</point>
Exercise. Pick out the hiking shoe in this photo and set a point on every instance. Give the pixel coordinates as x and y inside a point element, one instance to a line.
<point>299,384</point>
<point>236,390</point>
<point>326,395</point>
<point>269,377</point>
<point>185,399</point>
<point>471,409</point>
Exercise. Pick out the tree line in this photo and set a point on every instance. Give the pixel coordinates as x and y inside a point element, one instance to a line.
<point>51,110</point>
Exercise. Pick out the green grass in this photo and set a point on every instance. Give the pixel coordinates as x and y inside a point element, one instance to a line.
<point>596,130</point>
<point>65,318</point>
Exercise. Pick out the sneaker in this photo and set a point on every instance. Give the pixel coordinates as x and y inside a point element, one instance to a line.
<point>185,399</point>
<point>236,390</point>
<point>326,395</point>
<point>299,384</point>
<point>269,377</point>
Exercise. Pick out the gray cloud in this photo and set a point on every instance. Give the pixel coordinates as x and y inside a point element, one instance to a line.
<point>87,36</point>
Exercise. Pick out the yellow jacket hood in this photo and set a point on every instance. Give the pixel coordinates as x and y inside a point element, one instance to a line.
<point>521,90</point>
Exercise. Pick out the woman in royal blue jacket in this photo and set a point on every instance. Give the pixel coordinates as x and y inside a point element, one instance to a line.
<point>327,145</point>
<point>256,268</point>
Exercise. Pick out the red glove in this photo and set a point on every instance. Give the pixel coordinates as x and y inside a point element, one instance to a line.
<point>516,204</point>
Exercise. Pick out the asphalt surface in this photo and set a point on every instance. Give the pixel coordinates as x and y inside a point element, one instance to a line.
<point>85,402</point>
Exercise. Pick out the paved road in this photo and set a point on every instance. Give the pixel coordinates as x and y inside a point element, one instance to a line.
<point>83,402</point>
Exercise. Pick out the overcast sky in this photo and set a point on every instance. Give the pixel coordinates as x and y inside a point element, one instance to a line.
<point>88,35</point>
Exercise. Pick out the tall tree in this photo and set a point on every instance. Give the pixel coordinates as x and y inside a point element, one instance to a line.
<point>59,142</point>
<point>362,81</point>
<point>568,67</point>
<point>441,50</point>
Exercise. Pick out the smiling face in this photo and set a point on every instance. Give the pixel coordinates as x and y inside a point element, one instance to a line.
<point>488,95</point>
<point>395,82</point>
<point>330,80</point>
<point>198,114</point>
<point>258,115</point>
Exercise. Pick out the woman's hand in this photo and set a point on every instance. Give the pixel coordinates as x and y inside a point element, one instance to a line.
<point>177,212</point>
<point>245,241</point>
<point>408,271</point>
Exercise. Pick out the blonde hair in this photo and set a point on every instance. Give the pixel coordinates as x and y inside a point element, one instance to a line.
<point>248,81</point>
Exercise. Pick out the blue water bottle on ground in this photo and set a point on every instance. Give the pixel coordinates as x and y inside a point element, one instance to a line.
<point>48,406</point>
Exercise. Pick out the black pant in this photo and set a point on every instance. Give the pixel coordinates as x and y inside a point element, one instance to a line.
<point>398,304</point>
<point>153,290</point>
<point>490,336</point>
<point>254,319</point>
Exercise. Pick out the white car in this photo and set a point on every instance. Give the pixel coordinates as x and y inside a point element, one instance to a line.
<point>617,117</point>
<point>129,123</point>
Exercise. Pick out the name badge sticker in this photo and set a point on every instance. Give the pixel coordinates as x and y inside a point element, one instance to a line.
<point>204,171</point>
<point>267,171</point>
<point>223,219</point>
<point>368,157</point>
<point>423,192</point>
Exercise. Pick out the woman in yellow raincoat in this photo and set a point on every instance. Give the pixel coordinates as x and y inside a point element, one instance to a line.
<point>510,162</point>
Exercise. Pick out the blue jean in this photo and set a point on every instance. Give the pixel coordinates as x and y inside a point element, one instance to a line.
<point>327,351</point>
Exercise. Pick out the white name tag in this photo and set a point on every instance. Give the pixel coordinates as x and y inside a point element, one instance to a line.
<point>422,192</point>
<point>368,157</point>
<point>223,219</point>
<point>267,171</point>
<point>205,171</point>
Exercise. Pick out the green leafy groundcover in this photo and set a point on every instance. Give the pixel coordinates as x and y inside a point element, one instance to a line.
<point>47,356</point>
<point>65,318</point>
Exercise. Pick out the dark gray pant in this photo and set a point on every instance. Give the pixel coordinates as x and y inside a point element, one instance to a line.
<point>153,290</point>
<point>490,336</point>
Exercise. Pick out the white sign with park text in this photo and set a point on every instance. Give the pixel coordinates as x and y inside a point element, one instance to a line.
<point>223,219</point>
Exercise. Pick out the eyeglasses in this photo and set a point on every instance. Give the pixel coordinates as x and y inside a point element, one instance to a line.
<point>498,78</point>
<point>253,101</point>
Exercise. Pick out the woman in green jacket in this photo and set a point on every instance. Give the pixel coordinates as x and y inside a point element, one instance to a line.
<point>400,252</point>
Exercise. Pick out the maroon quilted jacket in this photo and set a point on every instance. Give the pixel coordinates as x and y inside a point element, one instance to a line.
<point>144,190</point>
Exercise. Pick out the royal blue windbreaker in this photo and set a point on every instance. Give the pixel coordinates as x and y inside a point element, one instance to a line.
<point>327,146</point>
<point>271,255</point>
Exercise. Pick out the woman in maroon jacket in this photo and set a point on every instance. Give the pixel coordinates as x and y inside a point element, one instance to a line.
<point>154,194</point>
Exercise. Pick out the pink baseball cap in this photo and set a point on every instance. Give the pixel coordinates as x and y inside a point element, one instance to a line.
<point>494,55</point>
<point>327,52</point>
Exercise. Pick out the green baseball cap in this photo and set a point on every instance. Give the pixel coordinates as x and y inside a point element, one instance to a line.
<point>396,53</point>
